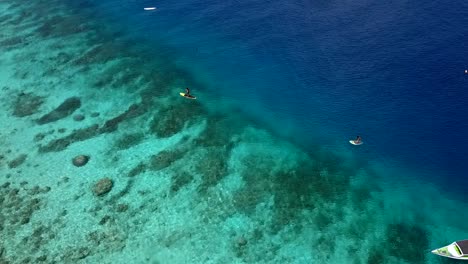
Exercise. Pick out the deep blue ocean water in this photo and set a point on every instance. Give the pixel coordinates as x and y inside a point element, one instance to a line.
<point>322,72</point>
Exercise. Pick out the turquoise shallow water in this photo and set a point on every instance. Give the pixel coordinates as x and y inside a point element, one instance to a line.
<point>205,181</point>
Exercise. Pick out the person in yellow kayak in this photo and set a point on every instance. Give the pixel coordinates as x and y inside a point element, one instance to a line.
<point>187,92</point>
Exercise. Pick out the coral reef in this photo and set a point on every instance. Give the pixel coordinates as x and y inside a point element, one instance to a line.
<point>78,117</point>
<point>140,168</point>
<point>172,119</point>
<point>179,180</point>
<point>165,158</point>
<point>27,104</point>
<point>133,111</point>
<point>80,160</point>
<point>100,53</point>
<point>219,132</point>
<point>407,242</point>
<point>61,26</point>
<point>76,135</point>
<point>17,161</point>
<point>92,131</point>
<point>63,110</point>
<point>18,206</point>
<point>212,167</point>
<point>103,186</point>
<point>128,140</point>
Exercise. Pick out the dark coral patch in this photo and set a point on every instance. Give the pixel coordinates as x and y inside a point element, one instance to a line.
<point>219,132</point>
<point>71,24</point>
<point>128,140</point>
<point>102,241</point>
<point>148,96</point>
<point>259,184</point>
<point>92,131</point>
<point>171,120</point>
<point>17,161</point>
<point>292,193</point>
<point>164,159</point>
<point>13,42</point>
<point>62,57</point>
<point>60,26</point>
<point>100,54</point>
<point>27,104</point>
<point>78,117</point>
<point>376,256</point>
<point>76,136</point>
<point>246,199</point>
<point>328,180</point>
<point>360,196</point>
<point>5,18</point>
<point>47,27</point>
<point>122,74</point>
<point>180,180</point>
<point>39,136</point>
<point>103,186</point>
<point>63,110</point>
<point>140,168</point>
<point>212,168</point>
<point>121,208</point>
<point>133,111</point>
<point>80,160</point>
<point>296,190</point>
<point>16,207</point>
<point>407,242</point>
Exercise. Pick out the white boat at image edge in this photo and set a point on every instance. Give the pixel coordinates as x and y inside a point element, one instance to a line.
<point>456,250</point>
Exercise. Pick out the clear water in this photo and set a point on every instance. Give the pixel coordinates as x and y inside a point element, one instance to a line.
<point>259,168</point>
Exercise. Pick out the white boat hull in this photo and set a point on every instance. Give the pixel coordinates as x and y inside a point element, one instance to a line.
<point>450,251</point>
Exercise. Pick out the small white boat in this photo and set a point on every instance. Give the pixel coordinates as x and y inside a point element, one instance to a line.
<point>456,250</point>
<point>356,143</point>
<point>149,8</point>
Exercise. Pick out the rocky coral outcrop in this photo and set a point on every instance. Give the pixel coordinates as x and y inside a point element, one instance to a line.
<point>63,110</point>
<point>404,241</point>
<point>103,186</point>
<point>78,117</point>
<point>17,206</point>
<point>140,168</point>
<point>129,140</point>
<point>180,180</point>
<point>27,104</point>
<point>172,119</point>
<point>17,161</point>
<point>80,160</point>
<point>164,159</point>
<point>213,168</point>
<point>82,134</point>
<point>75,136</point>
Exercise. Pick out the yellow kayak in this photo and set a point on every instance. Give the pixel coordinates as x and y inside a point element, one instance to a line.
<point>187,96</point>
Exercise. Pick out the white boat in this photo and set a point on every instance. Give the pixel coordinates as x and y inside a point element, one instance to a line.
<point>149,8</point>
<point>456,250</point>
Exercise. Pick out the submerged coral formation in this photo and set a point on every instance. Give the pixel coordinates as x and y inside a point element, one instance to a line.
<point>80,160</point>
<point>17,161</point>
<point>27,104</point>
<point>103,186</point>
<point>63,110</point>
<point>172,119</point>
